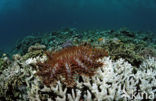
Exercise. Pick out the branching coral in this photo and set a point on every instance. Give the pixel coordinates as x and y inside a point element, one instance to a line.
<point>69,62</point>
<point>115,81</point>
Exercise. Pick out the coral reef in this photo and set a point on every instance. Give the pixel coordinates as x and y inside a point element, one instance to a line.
<point>4,62</point>
<point>23,45</point>
<point>15,79</point>
<point>129,73</point>
<point>130,52</point>
<point>57,40</point>
<point>37,46</point>
<point>148,52</point>
<point>32,54</point>
<point>1,65</point>
<point>1,53</point>
<point>67,44</point>
<point>68,62</point>
<point>34,51</point>
<point>116,80</point>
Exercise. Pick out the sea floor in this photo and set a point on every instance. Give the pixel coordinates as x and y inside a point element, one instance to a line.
<point>132,52</point>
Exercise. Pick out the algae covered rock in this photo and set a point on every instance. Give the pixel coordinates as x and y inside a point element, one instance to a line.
<point>23,45</point>
<point>4,63</point>
<point>34,51</point>
<point>10,81</point>
<point>130,52</point>
<point>148,52</point>
<point>1,65</point>
<point>15,81</point>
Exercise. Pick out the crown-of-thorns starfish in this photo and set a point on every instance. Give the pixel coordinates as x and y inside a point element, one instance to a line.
<point>69,63</point>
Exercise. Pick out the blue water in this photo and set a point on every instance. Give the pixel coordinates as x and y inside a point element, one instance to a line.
<point>19,18</point>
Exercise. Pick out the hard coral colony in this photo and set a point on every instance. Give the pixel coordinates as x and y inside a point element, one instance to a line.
<point>70,62</point>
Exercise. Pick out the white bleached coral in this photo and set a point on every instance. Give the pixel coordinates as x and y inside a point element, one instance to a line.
<point>16,79</point>
<point>110,79</point>
<point>116,80</point>
<point>36,59</point>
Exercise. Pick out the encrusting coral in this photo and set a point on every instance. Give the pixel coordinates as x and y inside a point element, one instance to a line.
<point>69,62</point>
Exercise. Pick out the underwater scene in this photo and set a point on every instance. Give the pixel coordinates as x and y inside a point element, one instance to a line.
<point>77,50</point>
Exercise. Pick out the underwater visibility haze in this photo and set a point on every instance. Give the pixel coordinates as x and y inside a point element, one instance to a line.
<point>77,50</point>
<point>19,18</point>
